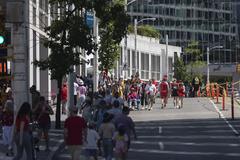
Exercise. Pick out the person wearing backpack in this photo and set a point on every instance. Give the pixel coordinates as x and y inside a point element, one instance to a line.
<point>43,112</point>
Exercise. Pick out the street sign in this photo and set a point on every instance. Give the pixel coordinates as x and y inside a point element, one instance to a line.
<point>89,19</point>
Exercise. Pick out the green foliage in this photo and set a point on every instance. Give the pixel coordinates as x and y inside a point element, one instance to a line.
<point>193,50</point>
<point>197,64</point>
<point>113,27</point>
<point>145,30</point>
<point>180,70</point>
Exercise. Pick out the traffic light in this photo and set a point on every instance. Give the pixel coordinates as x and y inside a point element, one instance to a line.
<point>2,39</point>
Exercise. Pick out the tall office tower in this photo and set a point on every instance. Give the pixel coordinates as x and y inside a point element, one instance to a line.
<point>210,22</point>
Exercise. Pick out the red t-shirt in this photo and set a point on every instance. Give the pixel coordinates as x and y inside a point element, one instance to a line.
<point>64,94</point>
<point>7,118</point>
<point>75,126</point>
<point>164,88</point>
<point>26,121</point>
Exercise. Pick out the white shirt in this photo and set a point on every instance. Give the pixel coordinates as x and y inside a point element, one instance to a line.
<point>92,138</point>
<point>75,88</point>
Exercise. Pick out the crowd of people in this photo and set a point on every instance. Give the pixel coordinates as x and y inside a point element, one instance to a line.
<point>97,124</point>
<point>105,122</point>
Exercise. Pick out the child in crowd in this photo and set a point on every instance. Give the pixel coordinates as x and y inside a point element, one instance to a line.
<point>7,126</point>
<point>121,143</point>
<point>92,140</point>
<point>132,99</point>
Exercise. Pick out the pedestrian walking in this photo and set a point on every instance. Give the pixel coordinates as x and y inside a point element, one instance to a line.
<point>64,98</point>
<point>143,96</point>
<point>181,94</point>
<point>22,134</point>
<point>164,90</point>
<point>125,120</point>
<point>120,139</point>
<point>106,132</point>
<point>81,92</point>
<point>75,133</point>
<point>92,141</point>
<point>174,87</point>
<point>151,92</point>
<point>7,127</point>
<point>35,96</point>
<point>75,88</point>
<point>43,112</point>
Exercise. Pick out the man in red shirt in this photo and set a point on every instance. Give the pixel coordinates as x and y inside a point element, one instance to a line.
<point>75,133</point>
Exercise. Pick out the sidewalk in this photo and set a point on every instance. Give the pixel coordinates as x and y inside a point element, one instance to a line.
<point>56,140</point>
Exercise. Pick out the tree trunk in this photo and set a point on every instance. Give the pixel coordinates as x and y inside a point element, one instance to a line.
<point>58,108</point>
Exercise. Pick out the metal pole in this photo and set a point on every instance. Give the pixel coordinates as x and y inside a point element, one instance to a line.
<point>95,70</point>
<point>167,54</point>
<point>135,43</point>
<point>208,65</point>
<point>70,89</point>
<point>232,101</point>
<point>124,55</point>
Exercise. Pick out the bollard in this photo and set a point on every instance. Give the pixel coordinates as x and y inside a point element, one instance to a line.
<point>223,99</point>
<point>232,101</point>
<point>198,92</point>
<point>208,90</point>
<point>212,89</point>
<point>217,90</point>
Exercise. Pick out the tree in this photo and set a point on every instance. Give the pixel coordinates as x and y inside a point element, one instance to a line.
<point>196,58</point>
<point>113,27</point>
<point>180,70</point>
<point>145,30</point>
<point>193,50</point>
<point>70,31</point>
<point>66,33</point>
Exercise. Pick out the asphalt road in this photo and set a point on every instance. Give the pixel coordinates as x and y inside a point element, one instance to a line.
<point>195,132</point>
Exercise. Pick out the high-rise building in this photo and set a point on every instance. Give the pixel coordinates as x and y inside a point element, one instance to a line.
<point>210,22</point>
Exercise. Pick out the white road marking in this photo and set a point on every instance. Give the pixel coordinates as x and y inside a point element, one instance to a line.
<point>160,130</point>
<point>185,152</point>
<point>161,145</point>
<point>224,118</point>
<point>189,144</point>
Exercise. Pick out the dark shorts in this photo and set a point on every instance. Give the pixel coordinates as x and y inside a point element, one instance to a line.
<point>44,127</point>
<point>91,152</point>
<point>174,93</point>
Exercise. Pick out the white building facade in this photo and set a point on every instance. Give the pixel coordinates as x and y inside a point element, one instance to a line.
<point>39,17</point>
<point>150,59</point>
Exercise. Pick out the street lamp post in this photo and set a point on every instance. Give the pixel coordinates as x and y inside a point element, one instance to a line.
<point>124,57</point>
<point>208,50</point>
<point>135,39</point>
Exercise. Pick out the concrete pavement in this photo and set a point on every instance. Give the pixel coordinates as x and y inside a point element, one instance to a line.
<point>197,131</point>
